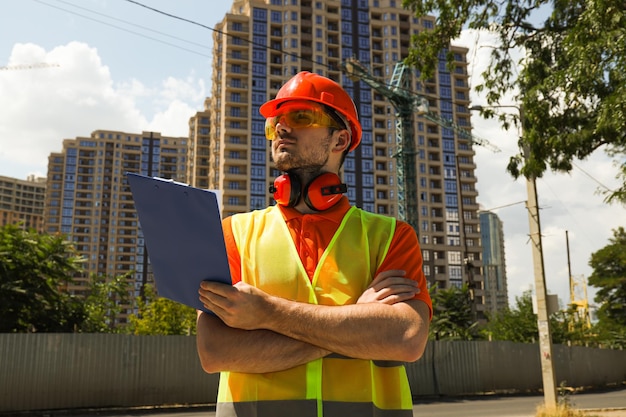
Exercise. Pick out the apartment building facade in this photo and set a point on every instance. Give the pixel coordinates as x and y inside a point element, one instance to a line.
<point>22,202</point>
<point>199,150</point>
<point>89,200</point>
<point>494,262</point>
<point>260,44</point>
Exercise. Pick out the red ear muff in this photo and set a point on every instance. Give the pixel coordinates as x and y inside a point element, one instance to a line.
<point>324,191</point>
<point>286,190</point>
<point>320,194</point>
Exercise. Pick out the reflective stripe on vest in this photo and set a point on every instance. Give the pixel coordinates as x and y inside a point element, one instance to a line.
<point>334,384</point>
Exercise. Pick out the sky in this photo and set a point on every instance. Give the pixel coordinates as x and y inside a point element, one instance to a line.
<point>115,65</point>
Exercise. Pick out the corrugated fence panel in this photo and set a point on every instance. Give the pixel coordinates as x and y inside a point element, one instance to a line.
<point>422,373</point>
<point>509,367</point>
<point>457,367</point>
<point>579,366</point>
<point>53,371</point>
<point>65,371</point>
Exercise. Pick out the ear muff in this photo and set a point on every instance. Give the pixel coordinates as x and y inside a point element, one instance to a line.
<point>324,191</point>
<point>320,194</point>
<point>286,190</point>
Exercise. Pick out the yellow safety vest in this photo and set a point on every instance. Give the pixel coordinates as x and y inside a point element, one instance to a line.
<point>334,385</point>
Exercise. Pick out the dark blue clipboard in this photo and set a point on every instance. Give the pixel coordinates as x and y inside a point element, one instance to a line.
<point>183,234</point>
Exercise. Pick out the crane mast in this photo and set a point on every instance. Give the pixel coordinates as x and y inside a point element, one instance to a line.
<point>407,105</point>
<point>404,104</point>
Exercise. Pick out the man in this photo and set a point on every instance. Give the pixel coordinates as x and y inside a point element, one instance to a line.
<point>328,300</point>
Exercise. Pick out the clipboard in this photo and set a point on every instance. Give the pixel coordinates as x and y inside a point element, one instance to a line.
<point>183,234</point>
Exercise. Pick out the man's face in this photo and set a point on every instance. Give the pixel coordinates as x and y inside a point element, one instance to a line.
<point>301,138</point>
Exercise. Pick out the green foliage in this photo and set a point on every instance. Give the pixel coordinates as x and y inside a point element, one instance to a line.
<point>453,317</point>
<point>33,270</point>
<point>568,327</point>
<point>609,276</point>
<point>103,302</point>
<point>517,325</point>
<point>160,316</point>
<point>570,83</point>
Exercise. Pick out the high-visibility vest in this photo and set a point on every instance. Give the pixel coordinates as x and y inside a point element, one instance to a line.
<point>334,385</point>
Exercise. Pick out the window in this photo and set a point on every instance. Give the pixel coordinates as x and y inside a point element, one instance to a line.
<point>454,258</point>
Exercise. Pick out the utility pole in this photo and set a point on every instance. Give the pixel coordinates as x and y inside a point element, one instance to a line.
<point>543,319</point>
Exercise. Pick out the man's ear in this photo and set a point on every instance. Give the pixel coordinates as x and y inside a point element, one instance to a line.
<point>343,141</point>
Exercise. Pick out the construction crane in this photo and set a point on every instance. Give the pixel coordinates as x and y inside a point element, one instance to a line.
<point>408,105</point>
<point>578,292</point>
<point>29,66</point>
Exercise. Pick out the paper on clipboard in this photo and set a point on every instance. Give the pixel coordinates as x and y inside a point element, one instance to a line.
<point>183,234</point>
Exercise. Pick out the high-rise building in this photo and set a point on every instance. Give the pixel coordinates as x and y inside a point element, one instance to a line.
<point>494,262</point>
<point>260,44</point>
<point>22,202</point>
<point>200,151</point>
<point>88,198</point>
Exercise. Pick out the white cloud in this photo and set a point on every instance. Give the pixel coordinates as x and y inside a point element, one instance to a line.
<point>173,121</point>
<point>183,89</point>
<point>41,107</point>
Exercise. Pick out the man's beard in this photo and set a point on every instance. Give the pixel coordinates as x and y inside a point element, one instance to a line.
<point>306,166</point>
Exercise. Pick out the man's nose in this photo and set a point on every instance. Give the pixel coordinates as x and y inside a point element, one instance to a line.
<point>282,126</point>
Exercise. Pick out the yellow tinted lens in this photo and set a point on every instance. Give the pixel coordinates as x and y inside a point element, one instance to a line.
<point>303,118</point>
<point>297,119</point>
<point>270,128</point>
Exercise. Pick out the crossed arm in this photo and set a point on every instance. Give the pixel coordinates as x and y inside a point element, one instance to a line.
<point>255,332</point>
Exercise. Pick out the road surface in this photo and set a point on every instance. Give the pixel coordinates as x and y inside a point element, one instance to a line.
<point>602,404</point>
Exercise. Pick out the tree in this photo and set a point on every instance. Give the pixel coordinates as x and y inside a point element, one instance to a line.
<point>519,324</point>
<point>103,302</point>
<point>453,318</point>
<point>159,315</point>
<point>609,276</point>
<point>33,270</point>
<point>516,325</point>
<point>570,85</point>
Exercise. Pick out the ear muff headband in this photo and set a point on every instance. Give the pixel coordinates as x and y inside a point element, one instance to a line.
<point>320,194</point>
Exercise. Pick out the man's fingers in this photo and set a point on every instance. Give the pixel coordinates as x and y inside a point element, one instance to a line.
<point>393,281</point>
<point>216,287</point>
<point>387,274</point>
<point>397,298</point>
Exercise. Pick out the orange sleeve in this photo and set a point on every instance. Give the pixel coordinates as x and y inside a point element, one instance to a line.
<point>405,254</point>
<point>234,260</point>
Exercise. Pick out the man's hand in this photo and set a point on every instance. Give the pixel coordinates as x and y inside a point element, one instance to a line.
<point>241,306</point>
<point>389,287</point>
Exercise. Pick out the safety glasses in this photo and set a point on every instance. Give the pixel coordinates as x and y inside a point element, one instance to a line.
<point>297,118</point>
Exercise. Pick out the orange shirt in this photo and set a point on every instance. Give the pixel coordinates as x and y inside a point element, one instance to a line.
<point>312,233</point>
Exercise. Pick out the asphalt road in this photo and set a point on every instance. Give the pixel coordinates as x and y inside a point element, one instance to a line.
<point>610,403</point>
<point>518,406</point>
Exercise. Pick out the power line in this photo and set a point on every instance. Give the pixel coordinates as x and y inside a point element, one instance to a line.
<point>124,29</point>
<point>293,55</point>
<point>594,179</point>
<point>192,22</point>
<point>226,34</point>
<point>134,24</point>
<point>506,205</point>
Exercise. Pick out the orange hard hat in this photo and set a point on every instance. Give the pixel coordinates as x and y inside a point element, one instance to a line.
<point>313,87</point>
